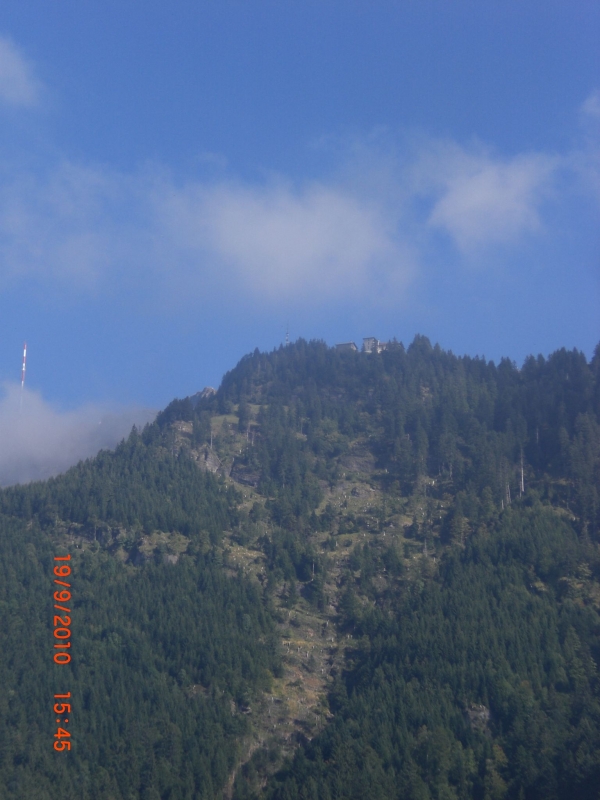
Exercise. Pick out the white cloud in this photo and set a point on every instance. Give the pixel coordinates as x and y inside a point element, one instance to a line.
<point>88,228</point>
<point>364,233</point>
<point>591,105</point>
<point>39,441</point>
<point>315,241</point>
<point>479,200</point>
<point>18,85</point>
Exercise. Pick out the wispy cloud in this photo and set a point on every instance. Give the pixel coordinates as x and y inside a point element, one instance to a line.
<point>369,236</point>
<point>18,84</point>
<point>591,105</point>
<point>282,242</point>
<point>38,441</point>
<point>87,228</point>
<point>481,200</point>
<point>58,225</point>
<point>586,159</point>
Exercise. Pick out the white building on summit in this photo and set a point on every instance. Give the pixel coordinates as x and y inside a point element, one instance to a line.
<point>370,345</point>
<point>373,345</point>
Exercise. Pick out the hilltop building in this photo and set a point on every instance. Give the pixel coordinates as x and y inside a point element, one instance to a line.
<point>370,345</point>
<point>373,345</point>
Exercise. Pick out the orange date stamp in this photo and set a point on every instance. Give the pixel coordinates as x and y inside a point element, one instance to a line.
<point>62,632</point>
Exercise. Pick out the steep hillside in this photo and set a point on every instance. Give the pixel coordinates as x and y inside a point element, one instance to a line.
<point>341,575</point>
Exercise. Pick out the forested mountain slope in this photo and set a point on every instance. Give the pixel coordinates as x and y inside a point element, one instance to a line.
<point>383,569</point>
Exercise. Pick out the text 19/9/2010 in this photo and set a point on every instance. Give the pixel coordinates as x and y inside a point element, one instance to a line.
<point>62,632</point>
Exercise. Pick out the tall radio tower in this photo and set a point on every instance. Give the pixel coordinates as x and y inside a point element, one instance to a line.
<point>23,374</point>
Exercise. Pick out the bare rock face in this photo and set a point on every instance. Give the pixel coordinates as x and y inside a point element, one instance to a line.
<point>208,391</point>
<point>207,459</point>
<point>241,474</point>
<point>478,716</point>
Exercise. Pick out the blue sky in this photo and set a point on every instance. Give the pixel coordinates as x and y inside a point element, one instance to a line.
<point>181,181</point>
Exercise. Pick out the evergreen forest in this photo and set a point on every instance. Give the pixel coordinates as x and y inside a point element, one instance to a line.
<point>340,575</point>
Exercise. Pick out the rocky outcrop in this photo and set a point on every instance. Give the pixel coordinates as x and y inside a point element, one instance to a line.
<point>207,459</point>
<point>208,391</point>
<point>245,475</point>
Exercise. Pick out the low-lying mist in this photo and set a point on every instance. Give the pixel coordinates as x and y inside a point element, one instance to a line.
<point>38,441</point>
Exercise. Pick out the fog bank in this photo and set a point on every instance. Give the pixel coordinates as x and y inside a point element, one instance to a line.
<point>38,441</point>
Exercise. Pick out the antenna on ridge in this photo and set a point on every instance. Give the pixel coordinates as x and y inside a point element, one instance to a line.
<point>287,335</point>
<point>23,375</point>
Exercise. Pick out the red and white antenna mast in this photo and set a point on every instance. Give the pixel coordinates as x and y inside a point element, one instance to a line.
<point>23,373</point>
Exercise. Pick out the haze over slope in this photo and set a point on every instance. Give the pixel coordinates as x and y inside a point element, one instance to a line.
<point>38,441</point>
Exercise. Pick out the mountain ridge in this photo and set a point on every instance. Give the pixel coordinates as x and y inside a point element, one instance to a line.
<point>347,491</point>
